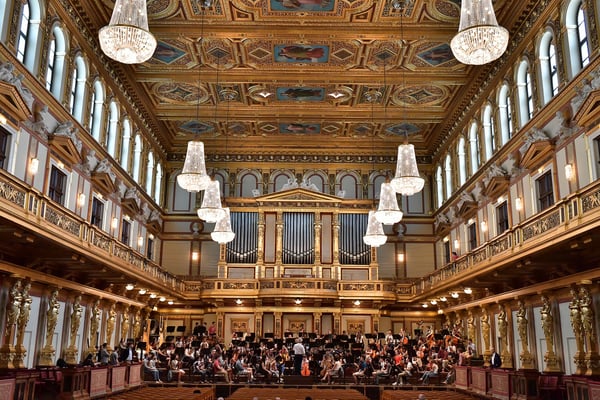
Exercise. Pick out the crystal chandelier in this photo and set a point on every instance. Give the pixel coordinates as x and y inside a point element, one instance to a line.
<point>388,212</point>
<point>480,39</point>
<point>222,233</point>
<point>193,176</point>
<point>126,38</point>
<point>375,236</point>
<point>407,180</point>
<point>211,210</point>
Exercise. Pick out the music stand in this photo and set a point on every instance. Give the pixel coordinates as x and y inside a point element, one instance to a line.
<point>181,329</point>
<point>269,335</point>
<point>170,329</point>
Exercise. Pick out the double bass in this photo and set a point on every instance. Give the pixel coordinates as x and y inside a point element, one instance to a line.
<point>305,368</point>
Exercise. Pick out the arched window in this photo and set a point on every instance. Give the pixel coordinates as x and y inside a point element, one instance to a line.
<point>577,37</point>
<point>125,139</point>
<point>5,6</point>
<point>525,92</point>
<point>462,161</point>
<point>448,175</point>
<point>96,110</point>
<point>29,32</point>
<point>474,148</point>
<point>505,111</point>
<point>137,156</point>
<point>111,132</point>
<point>548,67</point>
<point>439,183</point>
<point>150,173</point>
<point>489,132</point>
<point>55,70</point>
<point>158,184</point>
<point>78,84</point>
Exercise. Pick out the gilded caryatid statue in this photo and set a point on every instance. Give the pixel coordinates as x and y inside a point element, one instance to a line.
<point>471,330</point>
<point>76,312</point>
<point>588,320</point>
<point>577,325</point>
<point>507,359</point>
<point>95,316</point>
<point>111,320</point>
<point>48,352</point>
<point>22,320</point>
<point>550,358</point>
<point>125,324</point>
<point>523,327</point>
<point>484,319</point>
<point>13,308</point>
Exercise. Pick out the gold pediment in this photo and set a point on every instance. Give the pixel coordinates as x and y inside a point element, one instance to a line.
<point>298,195</point>
<point>537,153</point>
<point>467,209</point>
<point>12,103</point>
<point>130,205</point>
<point>103,183</point>
<point>65,149</point>
<point>497,186</point>
<point>589,111</point>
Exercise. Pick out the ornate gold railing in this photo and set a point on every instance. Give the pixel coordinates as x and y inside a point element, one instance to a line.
<point>40,214</point>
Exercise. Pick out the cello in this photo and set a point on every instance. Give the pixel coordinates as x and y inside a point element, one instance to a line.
<point>305,368</point>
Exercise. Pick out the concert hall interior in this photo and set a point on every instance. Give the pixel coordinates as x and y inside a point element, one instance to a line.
<point>353,180</point>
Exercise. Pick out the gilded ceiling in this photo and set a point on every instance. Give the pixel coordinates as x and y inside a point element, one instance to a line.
<point>303,76</point>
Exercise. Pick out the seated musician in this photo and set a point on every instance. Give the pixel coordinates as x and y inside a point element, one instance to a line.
<point>404,373</point>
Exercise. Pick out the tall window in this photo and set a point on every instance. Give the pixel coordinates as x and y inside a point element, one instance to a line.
<point>439,183</point>
<point>96,110</point>
<point>577,37</point>
<point>150,248</point>
<point>50,67</point>
<point>97,212</point>
<point>137,155</point>
<point>505,111</point>
<point>56,62</point>
<point>158,183</point>
<point>584,49</point>
<point>548,67</point>
<point>447,253</point>
<point>111,132</point>
<point>501,218</point>
<point>489,132</point>
<point>29,32</point>
<point>545,193</point>
<point>150,173</point>
<point>448,175</point>
<point>126,232</point>
<point>23,32</point>
<point>125,140</point>
<point>4,140</point>
<point>474,148</point>
<point>78,83</point>
<point>462,162</point>
<point>472,233</point>
<point>524,90</point>
<point>57,186</point>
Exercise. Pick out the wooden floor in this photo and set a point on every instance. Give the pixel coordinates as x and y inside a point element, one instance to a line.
<point>170,393</point>
<point>249,393</point>
<point>429,395</point>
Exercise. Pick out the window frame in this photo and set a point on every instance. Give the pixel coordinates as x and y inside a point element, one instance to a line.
<point>544,190</point>
<point>502,218</point>
<point>472,236</point>
<point>97,212</point>
<point>5,140</point>
<point>125,236</point>
<point>57,185</point>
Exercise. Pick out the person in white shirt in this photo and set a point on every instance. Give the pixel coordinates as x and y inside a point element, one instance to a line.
<point>299,353</point>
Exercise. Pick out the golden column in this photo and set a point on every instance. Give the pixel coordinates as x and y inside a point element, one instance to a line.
<point>550,358</point>
<point>506,356</point>
<point>13,308</point>
<point>48,352</point>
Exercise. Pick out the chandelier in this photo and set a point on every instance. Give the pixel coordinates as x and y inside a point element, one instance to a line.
<point>126,38</point>
<point>211,210</point>
<point>193,176</point>
<point>388,212</point>
<point>480,39</point>
<point>375,236</point>
<point>407,180</point>
<point>222,233</point>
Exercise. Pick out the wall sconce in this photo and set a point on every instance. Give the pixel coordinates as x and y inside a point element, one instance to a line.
<point>446,239</point>
<point>356,303</point>
<point>195,256</point>
<point>569,172</point>
<point>483,226</point>
<point>34,164</point>
<point>298,302</point>
<point>518,204</point>
<point>3,119</point>
<point>401,257</point>
<point>114,223</point>
<point>456,244</point>
<point>468,290</point>
<point>81,199</point>
<point>140,241</point>
<point>151,237</point>
<point>239,302</point>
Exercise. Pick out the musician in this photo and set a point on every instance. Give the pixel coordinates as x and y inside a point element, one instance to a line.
<point>299,353</point>
<point>389,337</point>
<point>359,338</point>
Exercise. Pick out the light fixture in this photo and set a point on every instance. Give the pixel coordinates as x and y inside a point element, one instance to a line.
<point>569,171</point>
<point>388,212</point>
<point>129,286</point>
<point>3,119</point>
<point>126,38</point>
<point>211,210</point>
<point>480,39</point>
<point>140,241</point>
<point>407,180</point>
<point>193,176</point>
<point>195,256</point>
<point>81,199</point>
<point>142,291</point>
<point>170,302</point>
<point>433,302</point>
<point>114,223</point>
<point>162,298</point>
<point>60,164</point>
<point>150,237</point>
<point>425,305</point>
<point>484,226</point>
<point>443,298</point>
<point>468,290</point>
<point>401,257</point>
<point>375,236</point>
<point>440,311</point>
<point>356,302</point>
<point>298,301</point>
<point>222,233</point>
<point>239,302</point>
<point>456,244</point>
<point>34,164</point>
<point>454,295</point>
<point>446,239</point>
<point>518,204</point>
<point>152,295</point>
